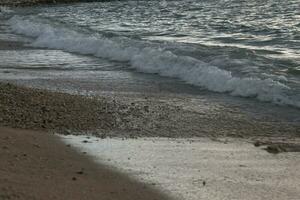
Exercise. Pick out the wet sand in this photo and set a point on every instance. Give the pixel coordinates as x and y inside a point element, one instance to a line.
<point>36,165</point>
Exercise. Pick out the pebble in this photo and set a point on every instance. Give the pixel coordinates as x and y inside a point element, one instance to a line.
<point>257,143</point>
<point>273,149</point>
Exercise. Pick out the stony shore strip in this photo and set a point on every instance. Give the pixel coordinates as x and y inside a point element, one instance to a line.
<point>36,109</point>
<point>57,112</point>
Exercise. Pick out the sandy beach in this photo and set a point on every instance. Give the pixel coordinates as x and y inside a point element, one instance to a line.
<point>68,134</point>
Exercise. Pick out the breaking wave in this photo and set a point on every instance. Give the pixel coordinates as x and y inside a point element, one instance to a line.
<point>154,60</point>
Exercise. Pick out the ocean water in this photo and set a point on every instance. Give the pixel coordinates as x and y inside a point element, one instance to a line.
<point>248,49</point>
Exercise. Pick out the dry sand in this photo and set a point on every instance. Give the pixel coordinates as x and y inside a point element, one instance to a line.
<point>199,168</point>
<point>35,165</point>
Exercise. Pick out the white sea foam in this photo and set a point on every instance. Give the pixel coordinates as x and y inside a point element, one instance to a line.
<point>151,60</point>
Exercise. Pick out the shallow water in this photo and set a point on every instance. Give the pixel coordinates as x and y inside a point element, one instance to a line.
<point>241,48</point>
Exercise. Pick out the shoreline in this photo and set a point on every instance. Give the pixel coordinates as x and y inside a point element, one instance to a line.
<point>49,111</point>
<point>138,115</point>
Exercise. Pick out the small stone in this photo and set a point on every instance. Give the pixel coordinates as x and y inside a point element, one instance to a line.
<point>146,108</point>
<point>257,143</point>
<point>273,149</point>
<point>67,132</point>
<point>74,178</point>
<point>204,183</point>
<point>103,136</point>
<point>36,145</point>
<point>47,177</point>
<point>80,172</point>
